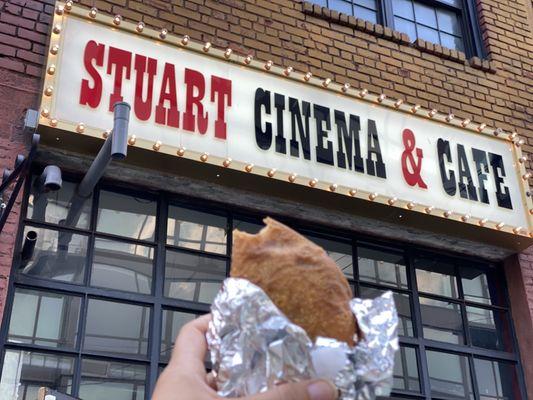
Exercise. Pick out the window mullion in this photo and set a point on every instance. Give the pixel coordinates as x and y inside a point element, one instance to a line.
<point>423,371</point>
<point>229,242</point>
<point>387,13</point>
<point>475,388</point>
<point>355,265</point>
<point>471,30</point>
<point>76,380</point>
<point>83,325</point>
<point>157,310</point>
<point>91,241</point>
<point>464,316</point>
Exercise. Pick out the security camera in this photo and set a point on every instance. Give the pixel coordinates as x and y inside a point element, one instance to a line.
<point>50,180</point>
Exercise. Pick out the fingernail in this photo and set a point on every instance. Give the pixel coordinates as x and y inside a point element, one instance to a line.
<point>322,390</point>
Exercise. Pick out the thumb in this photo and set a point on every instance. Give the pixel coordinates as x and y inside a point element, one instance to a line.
<point>306,390</point>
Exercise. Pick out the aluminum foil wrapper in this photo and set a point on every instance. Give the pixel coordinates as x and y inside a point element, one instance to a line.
<point>254,346</point>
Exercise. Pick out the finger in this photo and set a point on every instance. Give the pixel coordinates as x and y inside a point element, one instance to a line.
<point>308,390</point>
<point>191,346</point>
<point>211,381</point>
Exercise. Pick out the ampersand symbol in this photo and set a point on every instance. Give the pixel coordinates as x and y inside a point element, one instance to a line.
<point>411,172</point>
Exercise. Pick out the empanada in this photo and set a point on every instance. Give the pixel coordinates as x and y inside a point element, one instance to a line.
<point>299,277</point>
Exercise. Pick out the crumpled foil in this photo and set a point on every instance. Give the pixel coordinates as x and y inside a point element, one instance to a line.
<point>254,346</point>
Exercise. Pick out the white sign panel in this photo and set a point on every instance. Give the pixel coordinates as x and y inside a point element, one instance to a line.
<point>184,99</point>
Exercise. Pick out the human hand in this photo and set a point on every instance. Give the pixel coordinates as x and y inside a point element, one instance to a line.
<point>185,378</point>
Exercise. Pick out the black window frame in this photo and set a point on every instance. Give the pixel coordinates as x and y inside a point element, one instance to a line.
<point>466,11</point>
<point>157,303</point>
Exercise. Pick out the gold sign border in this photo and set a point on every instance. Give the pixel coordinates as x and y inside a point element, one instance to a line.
<point>64,10</point>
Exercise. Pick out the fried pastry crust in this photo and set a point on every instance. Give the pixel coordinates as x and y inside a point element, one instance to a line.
<point>299,277</point>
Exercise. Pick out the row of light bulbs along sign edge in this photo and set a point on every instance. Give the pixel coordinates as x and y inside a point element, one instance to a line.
<point>287,72</point>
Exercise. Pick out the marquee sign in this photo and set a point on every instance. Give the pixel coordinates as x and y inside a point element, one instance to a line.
<point>191,100</point>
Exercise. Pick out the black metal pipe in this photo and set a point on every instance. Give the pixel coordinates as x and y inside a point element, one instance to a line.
<point>10,175</point>
<point>115,147</point>
<point>5,175</point>
<point>19,160</point>
<point>22,169</point>
<point>27,248</point>
<point>121,120</point>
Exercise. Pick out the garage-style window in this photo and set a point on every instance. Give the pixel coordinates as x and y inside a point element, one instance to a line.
<point>449,23</point>
<point>94,311</point>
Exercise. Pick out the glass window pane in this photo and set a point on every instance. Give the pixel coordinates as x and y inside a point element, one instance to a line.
<point>44,319</point>
<point>122,266</point>
<point>128,216</point>
<point>24,372</point>
<point>489,329</point>
<point>173,321</point>
<point>406,370</point>
<point>403,306</point>
<point>403,8</point>
<point>196,230</point>
<point>479,285</point>
<point>449,376</point>
<point>425,15</point>
<point>405,26</point>
<point>428,34</point>
<point>193,277</point>
<point>382,267</point>
<point>102,379</point>
<point>58,255</point>
<point>53,207</point>
<point>116,328</point>
<point>452,42</point>
<point>436,277</point>
<point>341,6</point>
<point>366,3</point>
<point>449,22</point>
<point>340,252</point>
<point>496,380</point>
<point>366,14</point>
<point>442,320</point>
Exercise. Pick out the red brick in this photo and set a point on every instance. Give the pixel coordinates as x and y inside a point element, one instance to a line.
<point>30,56</point>
<point>32,35</point>
<point>31,4</point>
<point>8,29</point>
<point>17,21</point>
<point>16,42</point>
<point>11,64</point>
<point>34,71</point>
<point>30,14</point>
<point>12,9</point>
<point>7,50</point>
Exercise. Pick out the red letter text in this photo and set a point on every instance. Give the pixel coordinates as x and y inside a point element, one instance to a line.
<point>168,116</point>
<point>120,59</point>
<point>194,80</point>
<point>221,88</point>
<point>91,95</point>
<point>143,108</point>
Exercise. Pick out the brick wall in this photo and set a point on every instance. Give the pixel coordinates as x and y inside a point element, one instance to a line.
<point>526,263</point>
<point>23,35</point>
<point>496,90</point>
<point>17,93</point>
